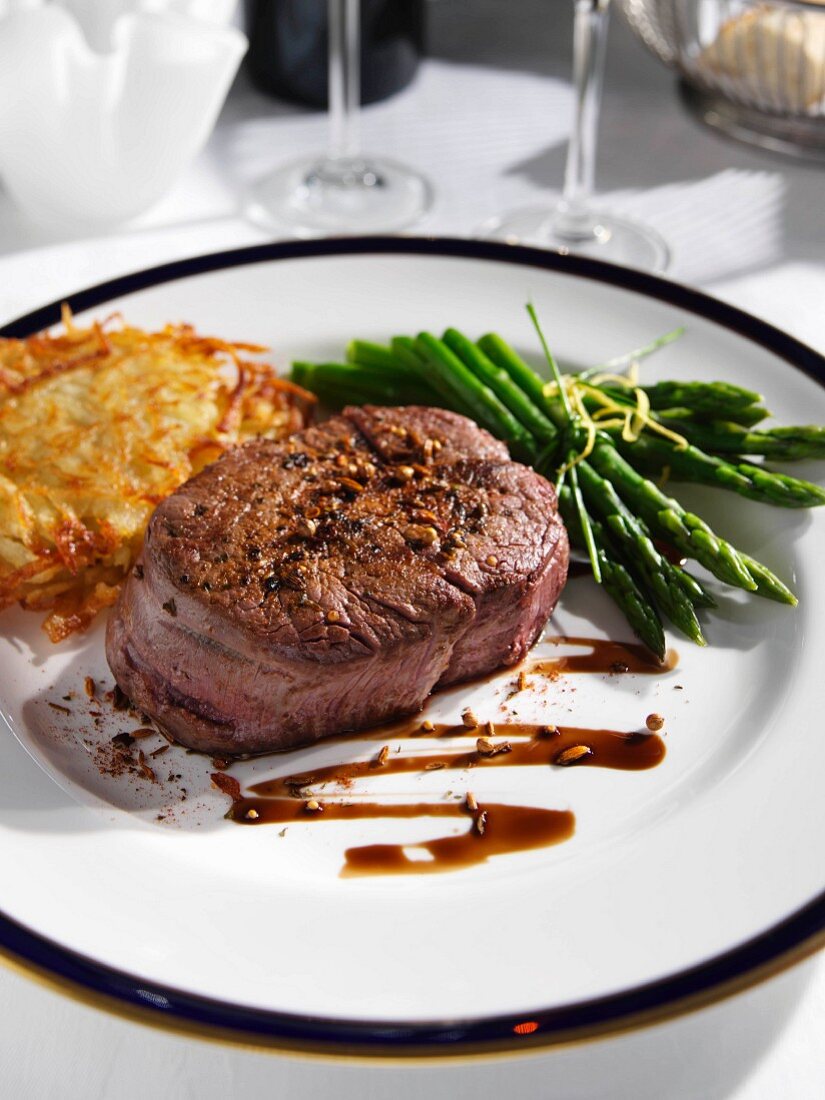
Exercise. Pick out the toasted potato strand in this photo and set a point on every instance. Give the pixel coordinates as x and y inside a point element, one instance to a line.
<point>98,425</point>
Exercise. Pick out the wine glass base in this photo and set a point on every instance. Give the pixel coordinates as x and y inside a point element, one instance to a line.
<point>314,197</point>
<point>617,240</point>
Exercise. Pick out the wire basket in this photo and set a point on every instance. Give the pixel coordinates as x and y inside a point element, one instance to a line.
<point>753,70</point>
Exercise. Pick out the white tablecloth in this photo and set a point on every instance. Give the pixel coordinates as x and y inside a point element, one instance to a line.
<point>487,120</point>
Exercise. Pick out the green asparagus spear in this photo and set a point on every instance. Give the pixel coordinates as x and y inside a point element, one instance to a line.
<point>665,515</point>
<point>528,380</point>
<point>767,584</point>
<point>738,418</point>
<point>447,374</point>
<point>691,464</point>
<point>695,592</point>
<point>365,353</point>
<point>681,405</point>
<point>743,418</point>
<point>785,444</point>
<point>711,397</point>
<point>347,383</point>
<point>403,347</point>
<point>503,386</point>
<point>334,396</point>
<point>637,548</point>
<point>616,578</point>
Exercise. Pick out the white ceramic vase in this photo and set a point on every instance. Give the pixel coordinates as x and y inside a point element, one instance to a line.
<point>103,103</point>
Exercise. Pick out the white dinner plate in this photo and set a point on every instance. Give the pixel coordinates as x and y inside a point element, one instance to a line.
<point>679,884</point>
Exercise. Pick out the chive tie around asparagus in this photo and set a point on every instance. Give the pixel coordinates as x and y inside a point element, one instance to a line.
<point>569,464</point>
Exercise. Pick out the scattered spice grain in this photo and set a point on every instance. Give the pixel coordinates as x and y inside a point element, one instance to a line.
<point>574,754</point>
<point>381,758</point>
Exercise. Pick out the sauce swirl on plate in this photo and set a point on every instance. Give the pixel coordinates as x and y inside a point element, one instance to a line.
<point>328,794</point>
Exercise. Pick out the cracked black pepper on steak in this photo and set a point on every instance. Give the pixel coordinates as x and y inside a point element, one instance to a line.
<point>330,581</point>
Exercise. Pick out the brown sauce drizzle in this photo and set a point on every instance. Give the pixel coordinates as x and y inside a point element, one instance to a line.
<point>503,829</point>
<point>507,829</point>
<point>496,828</point>
<point>633,751</point>
<point>606,657</point>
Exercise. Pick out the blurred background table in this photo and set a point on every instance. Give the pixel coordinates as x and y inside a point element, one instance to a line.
<point>486,119</point>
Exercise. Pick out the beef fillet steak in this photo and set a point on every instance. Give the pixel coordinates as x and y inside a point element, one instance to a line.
<point>330,581</point>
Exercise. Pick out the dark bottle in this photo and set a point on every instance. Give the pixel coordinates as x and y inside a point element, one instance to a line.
<point>288,47</point>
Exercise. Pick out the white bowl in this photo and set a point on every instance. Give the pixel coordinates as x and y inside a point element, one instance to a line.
<point>99,115</point>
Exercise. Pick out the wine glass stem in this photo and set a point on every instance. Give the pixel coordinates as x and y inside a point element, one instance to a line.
<point>573,218</point>
<point>344,78</point>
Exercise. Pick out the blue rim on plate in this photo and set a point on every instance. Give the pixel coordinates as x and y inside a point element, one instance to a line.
<point>785,943</point>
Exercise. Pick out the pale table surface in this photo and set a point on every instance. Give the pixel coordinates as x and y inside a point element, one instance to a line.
<point>744,225</point>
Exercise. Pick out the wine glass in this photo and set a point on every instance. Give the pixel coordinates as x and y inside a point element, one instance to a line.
<point>342,192</point>
<point>573,225</point>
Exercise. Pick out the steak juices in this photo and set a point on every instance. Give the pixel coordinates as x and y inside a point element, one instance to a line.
<point>330,581</point>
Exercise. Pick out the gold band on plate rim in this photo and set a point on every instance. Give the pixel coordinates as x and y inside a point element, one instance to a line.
<point>454,1052</point>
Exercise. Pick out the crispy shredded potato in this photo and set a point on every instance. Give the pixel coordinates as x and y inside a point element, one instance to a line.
<point>97,425</point>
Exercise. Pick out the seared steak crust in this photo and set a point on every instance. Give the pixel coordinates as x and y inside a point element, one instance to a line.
<point>330,581</point>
